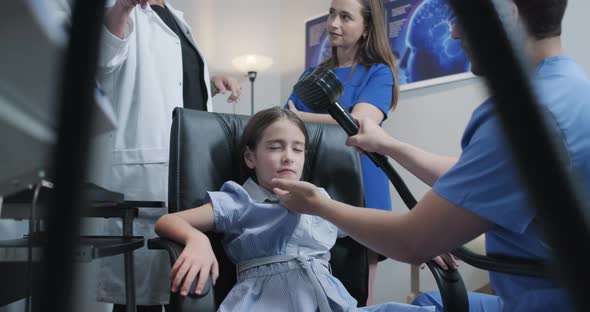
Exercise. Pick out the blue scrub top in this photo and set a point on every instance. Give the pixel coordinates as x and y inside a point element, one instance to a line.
<point>373,85</point>
<point>485,181</point>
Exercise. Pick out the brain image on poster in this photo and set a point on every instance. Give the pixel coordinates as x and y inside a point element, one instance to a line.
<point>317,43</point>
<point>419,34</point>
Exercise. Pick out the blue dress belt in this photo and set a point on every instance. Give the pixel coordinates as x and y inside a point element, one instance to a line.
<point>303,261</point>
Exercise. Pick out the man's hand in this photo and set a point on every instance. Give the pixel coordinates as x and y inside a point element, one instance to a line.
<point>446,261</point>
<point>223,84</point>
<point>370,138</point>
<point>298,196</point>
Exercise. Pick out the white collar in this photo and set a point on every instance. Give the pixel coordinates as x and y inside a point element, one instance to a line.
<point>258,193</point>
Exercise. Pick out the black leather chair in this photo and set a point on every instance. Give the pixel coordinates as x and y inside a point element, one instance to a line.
<point>204,154</point>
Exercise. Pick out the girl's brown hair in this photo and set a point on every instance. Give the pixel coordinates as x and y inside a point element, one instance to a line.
<point>262,120</point>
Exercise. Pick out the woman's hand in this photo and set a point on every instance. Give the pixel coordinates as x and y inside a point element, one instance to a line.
<point>298,196</point>
<point>130,4</point>
<point>197,258</point>
<point>117,18</point>
<point>223,84</point>
<point>294,109</point>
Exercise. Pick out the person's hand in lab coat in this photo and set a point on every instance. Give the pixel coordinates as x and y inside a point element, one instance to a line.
<point>117,17</point>
<point>224,84</point>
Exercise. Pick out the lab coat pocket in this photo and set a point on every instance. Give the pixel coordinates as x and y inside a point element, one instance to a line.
<point>140,156</point>
<point>141,174</point>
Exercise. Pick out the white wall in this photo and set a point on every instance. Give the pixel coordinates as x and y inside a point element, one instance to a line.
<point>294,15</point>
<point>225,29</point>
<point>575,38</point>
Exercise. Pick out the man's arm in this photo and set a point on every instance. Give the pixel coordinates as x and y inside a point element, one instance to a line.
<point>428,167</point>
<point>433,227</point>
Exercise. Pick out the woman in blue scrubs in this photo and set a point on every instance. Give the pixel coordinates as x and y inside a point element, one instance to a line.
<point>480,192</point>
<point>363,61</point>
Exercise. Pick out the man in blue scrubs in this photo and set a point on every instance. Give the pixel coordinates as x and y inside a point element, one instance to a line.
<point>480,192</point>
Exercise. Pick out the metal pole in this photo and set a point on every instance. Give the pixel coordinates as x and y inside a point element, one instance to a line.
<point>129,263</point>
<point>252,77</point>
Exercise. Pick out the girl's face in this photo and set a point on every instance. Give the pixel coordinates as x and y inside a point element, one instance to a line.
<point>280,153</point>
<point>346,24</point>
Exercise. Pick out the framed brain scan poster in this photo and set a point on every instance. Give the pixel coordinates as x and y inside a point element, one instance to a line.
<point>317,45</point>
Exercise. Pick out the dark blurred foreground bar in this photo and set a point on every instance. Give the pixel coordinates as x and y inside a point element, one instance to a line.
<point>557,197</point>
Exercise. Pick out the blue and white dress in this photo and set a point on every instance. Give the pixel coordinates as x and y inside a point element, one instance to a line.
<point>256,227</point>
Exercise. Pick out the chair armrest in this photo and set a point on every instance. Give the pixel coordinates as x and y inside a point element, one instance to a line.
<point>122,209</point>
<point>504,264</point>
<point>350,265</point>
<point>193,302</point>
<point>143,204</point>
<point>451,287</point>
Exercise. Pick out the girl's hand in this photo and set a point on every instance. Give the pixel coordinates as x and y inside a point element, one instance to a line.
<point>197,258</point>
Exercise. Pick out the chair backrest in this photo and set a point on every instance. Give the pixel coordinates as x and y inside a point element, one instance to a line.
<point>204,153</point>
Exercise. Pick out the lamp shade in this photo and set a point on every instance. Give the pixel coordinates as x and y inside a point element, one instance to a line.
<point>252,63</point>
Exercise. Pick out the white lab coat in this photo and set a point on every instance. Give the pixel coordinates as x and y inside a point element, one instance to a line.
<point>142,76</point>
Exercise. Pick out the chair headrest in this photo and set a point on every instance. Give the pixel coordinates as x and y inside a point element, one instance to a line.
<point>204,154</point>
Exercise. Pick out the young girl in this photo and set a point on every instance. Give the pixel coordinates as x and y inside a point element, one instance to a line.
<point>363,61</point>
<point>282,257</point>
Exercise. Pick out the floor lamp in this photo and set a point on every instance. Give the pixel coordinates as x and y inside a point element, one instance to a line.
<point>252,64</point>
